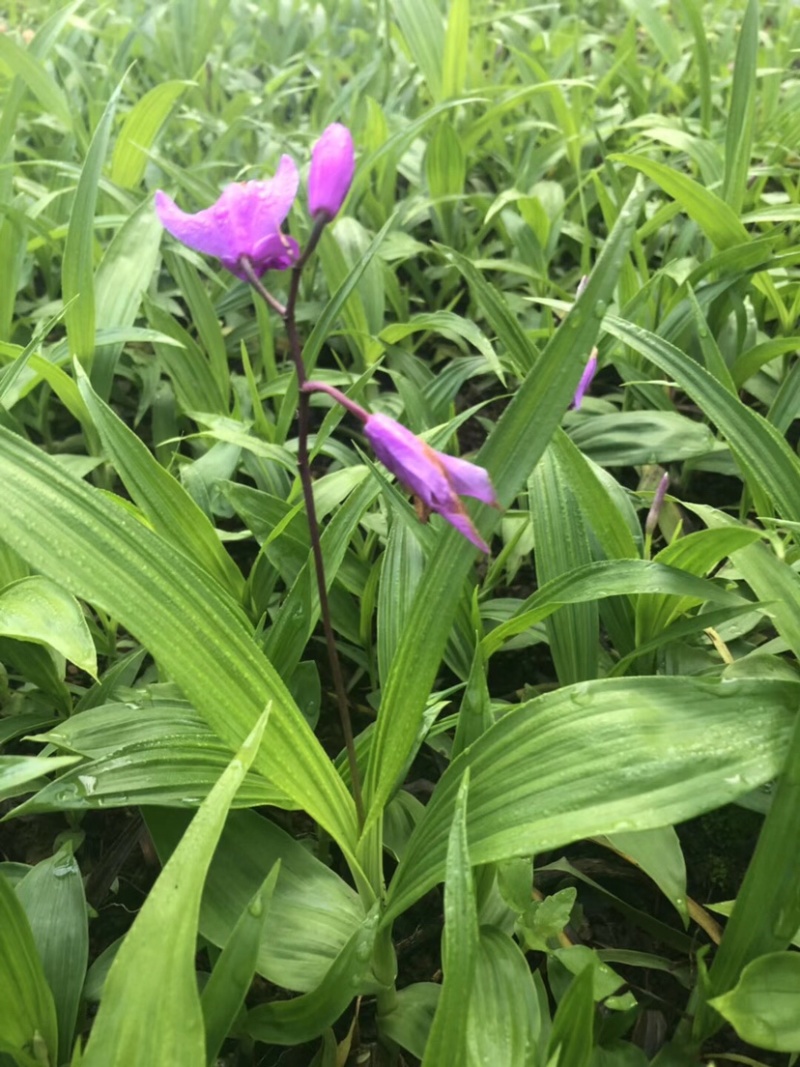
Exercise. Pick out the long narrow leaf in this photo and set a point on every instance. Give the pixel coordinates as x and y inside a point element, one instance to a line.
<point>100,552</point>
<point>510,455</point>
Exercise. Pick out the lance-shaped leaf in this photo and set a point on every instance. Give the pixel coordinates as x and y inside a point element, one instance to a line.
<point>600,758</point>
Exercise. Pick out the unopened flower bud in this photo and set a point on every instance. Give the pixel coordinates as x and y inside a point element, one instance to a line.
<point>331,174</point>
<point>655,507</point>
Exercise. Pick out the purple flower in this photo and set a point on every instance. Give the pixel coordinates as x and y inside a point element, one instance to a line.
<point>433,477</point>
<point>332,166</point>
<point>245,221</point>
<point>586,379</point>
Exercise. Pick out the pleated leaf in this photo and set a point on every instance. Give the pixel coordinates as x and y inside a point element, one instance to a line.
<point>77,272</point>
<point>609,756</point>
<point>562,545</point>
<point>36,609</point>
<point>223,995</point>
<point>503,1020</point>
<point>510,454</point>
<point>140,129</point>
<point>99,551</point>
<point>150,1009</point>
<point>161,497</point>
<point>766,459</point>
<point>606,578</point>
<point>54,901</point>
<point>26,1003</point>
<point>447,1040</point>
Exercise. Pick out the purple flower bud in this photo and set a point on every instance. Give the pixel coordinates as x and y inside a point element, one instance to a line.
<point>332,167</point>
<point>244,222</point>
<point>435,478</point>
<point>586,379</point>
<point>656,506</point>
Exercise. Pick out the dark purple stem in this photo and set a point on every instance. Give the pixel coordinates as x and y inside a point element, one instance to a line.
<point>304,469</point>
<point>338,396</point>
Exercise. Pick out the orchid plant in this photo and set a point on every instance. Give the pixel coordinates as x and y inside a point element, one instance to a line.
<point>197,466</point>
<point>243,230</point>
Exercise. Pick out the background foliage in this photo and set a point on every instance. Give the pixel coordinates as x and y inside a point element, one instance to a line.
<point>532,726</point>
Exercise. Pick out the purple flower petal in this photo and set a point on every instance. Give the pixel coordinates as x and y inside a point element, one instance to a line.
<point>468,479</point>
<point>415,463</point>
<point>586,379</point>
<point>245,221</point>
<point>464,524</point>
<point>200,232</point>
<point>437,479</point>
<point>331,173</point>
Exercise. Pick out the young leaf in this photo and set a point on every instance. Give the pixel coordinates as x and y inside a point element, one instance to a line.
<point>460,947</point>
<point>27,1010</point>
<point>150,1011</point>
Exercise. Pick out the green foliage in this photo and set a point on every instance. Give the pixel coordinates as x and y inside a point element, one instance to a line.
<point>584,688</point>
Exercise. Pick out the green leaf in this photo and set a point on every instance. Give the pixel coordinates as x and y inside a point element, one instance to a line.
<point>224,993</point>
<point>36,609</point>
<point>120,282</point>
<point>606,578</point>
<point>77,272</point>
<point>658,853</point>
<point>22,63</point>
<point>300,611</point>
<point>718,221</point>
<point>741,112</point>
<point>408,1024</point>
<point>26,1003</point>
<point>159,1020</point>
<point>764,1005</point>
<point>503,1020</point>
<point>163,754</point>
<point>313,912</point>
<point>141,127</point>
<point>401,570</point>
<point>447,1040</point>
<point>98,550</point>
<point>421,25</point>
<point>766,459</point>
<point>446,323</point>
<point>456,49</point>
<point>161,497</point>
<point>510,454</point>
<point>502,320</point>
<point>543,920</point>
<point>562,547</point>
<point>295,1021</point>
<point>697,553</point>
<point>571,1037</point>
<point>611,756</point>
<point>767,913</point>
<point>17,771</point>
<point>635,438</point>
<point>54,901</point>
<point>205,321</point>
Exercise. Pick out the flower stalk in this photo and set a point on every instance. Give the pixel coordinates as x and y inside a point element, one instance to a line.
<point>306,481</point>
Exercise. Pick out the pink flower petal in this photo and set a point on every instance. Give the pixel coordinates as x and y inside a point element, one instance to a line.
<point>331,173</point>
<point>245,221</point>
<point>406,455</point>
<point>437,479</point>
<point>468,479</point>
<point>586,379</point>
<point>201,232</point>
<point>464,524</point>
